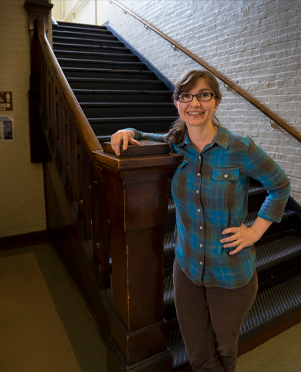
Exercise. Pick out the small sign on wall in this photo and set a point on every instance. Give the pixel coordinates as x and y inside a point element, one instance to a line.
<point>6,127</point>
<point>6,101</point>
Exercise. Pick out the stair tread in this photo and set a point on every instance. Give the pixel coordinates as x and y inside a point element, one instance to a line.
<point>61,27</point>
<point>128,91</point>
<point>88,46</point>
<point>63,32</point>
<point>252,215</point>
<point>57,37</point>
<point>268,305</point>
<point>95,69</point>
<point>61,59</point>
<point>256,189</point>
<point>79,52</point>
<point>115,80</point>
<point>126,119</point>
<point>116,104</point>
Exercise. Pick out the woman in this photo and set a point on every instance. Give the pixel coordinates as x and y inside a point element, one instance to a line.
<point>215,281</point>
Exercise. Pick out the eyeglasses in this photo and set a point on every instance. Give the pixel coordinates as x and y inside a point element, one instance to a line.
<point>187,97</point>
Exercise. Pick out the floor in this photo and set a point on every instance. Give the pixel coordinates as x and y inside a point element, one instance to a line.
<point>44,324</point>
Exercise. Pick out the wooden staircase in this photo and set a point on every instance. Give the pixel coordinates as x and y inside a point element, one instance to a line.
<point>116,90</point>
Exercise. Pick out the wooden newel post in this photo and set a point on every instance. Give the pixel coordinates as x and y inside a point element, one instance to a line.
<point>137,204</point>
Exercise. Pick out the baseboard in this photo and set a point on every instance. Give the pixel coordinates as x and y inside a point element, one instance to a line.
<point>23,240</point>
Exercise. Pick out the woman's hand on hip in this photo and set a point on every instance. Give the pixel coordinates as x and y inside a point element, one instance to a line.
<point>242,237</point>
<point>123,138</point>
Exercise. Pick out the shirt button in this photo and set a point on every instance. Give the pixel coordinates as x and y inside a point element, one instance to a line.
<point>201,245</point>
<point>225,175</point>
<point>197,191</point>
<point>199,210</point>
<point>201,227</point>
<point>199,174</point>
<point>201,263</point>
<point>200,157</point>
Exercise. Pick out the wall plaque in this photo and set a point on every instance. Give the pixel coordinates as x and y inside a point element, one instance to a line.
<point>6,101</point>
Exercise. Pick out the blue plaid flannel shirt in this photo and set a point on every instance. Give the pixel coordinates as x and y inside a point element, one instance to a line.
<point>210,191</point>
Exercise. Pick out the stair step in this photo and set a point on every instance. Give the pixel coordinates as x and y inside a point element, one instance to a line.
<point>120,57</point>
<point>80,35</point>
<point>277,251</point>
<point>79,25</point>
<point>75,62</point>
<point>105,95</point>
<point>125,109</point>
<point>252,215</point>
<point>269,306</point>
<point>82,28</point>
<point>108,126</point>
<point>108,73</point>
<point>91,48</point>
<point>256,189</point>
<point>100,41</point>
<point>103,83</point>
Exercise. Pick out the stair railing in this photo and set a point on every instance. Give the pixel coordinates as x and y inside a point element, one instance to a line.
<point>72,142</point>
<point>130,192</point>
<point>233,86</point>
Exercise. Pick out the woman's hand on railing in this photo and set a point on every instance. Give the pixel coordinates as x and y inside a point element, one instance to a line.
<point>123,138</point>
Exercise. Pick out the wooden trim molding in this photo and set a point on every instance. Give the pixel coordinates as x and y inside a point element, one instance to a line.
<point>23,240</point>
<point>36,7</point>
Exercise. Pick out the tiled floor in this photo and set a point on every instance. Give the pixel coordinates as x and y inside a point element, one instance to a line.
<point>44,325</point>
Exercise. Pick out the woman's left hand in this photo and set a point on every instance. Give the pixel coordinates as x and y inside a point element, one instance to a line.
<point>242,237</point>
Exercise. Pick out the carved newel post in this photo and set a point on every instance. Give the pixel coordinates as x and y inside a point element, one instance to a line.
<point>136,185</point>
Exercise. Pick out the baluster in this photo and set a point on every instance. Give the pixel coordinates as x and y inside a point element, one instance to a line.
<point>68,155</point>
<point>80,180</point>
<point>62,133</point>
<point>87,195</point>
<point>100,227</point>
<point>44,86</point>
<point>74,164</point>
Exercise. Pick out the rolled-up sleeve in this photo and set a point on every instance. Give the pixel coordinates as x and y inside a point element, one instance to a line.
<point>260,166</point>
<point>148,136</point>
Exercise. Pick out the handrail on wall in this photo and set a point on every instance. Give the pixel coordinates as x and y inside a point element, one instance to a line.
<point>240,91</point>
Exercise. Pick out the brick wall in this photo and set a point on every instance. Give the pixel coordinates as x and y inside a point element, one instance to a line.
<point>22,207</point>
<point>255,44</point>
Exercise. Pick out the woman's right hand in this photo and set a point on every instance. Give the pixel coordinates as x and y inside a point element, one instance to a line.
<point>123,138</point>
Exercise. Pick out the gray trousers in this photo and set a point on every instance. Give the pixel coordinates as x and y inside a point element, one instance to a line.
<point>210,320</point>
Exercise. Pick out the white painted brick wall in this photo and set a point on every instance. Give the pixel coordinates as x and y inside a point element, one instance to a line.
<point>22,205</point>
<point>255,44</point>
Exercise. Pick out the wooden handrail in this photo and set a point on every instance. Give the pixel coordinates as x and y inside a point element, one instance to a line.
<point>86,132</point>
<point>240,91</point>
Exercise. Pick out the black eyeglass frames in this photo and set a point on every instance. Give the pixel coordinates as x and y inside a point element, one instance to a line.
<point>187,97</point>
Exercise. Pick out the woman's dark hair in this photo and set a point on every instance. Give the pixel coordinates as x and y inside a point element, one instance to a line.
<point>186,82</point>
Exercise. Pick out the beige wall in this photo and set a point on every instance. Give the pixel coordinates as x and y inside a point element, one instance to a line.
<point>22,207</point>
<point>85,13</point>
